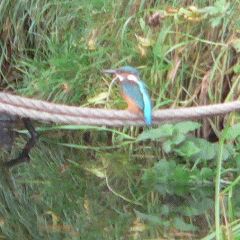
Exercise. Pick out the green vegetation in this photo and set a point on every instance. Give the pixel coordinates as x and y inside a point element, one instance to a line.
<point>174,181</point>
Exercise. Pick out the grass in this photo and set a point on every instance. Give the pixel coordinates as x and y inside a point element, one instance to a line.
<point>175,181</point>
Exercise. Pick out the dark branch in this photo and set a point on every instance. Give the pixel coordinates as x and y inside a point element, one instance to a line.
<point>24,155</point>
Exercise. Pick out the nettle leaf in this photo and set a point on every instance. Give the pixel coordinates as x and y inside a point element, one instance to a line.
<point>163,189</point>
<point>163,131</point>
<point>167,177</point>
<point>180,224</point>
<point>164,169</point>
<point>150,178</point>
<point>228,151</point>
<point>178,138</point>
<point>198,207</point>
<point>231,133</point>
<point>164,210</point>
<point>181,175</point>
<point>181,130</point>
<point>159,173</point>
<point>186,127</point>
<point>152,219</point>
<point>207,173</point>
<point>180,183</point>
<point>187,149</point>
<point>179,134</point>
<point>208,151</point>
<point>167,146</point>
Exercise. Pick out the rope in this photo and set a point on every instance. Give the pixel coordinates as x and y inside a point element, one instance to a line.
<point>63,114</point>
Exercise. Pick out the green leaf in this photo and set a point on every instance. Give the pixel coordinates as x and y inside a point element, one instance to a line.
<point>228,151</point>
<point>97,172</point>
<point>185,127</point>
<point>216,21</point>
<point>148,218</point>
<point>207,151</point>
<point>198,207</point>
<point>222,6</point>
<point>167,146</point>
<point>159,173</point>
<point>181,175</point>
<point>165,210</point>
<point>231,133</point>
<point>142,24</point>
<point>163,131</point>
<point>210,10</point>
<point>180,224</point>
<point>181,129</point>
<point>178,138</point>
<point>236,67</point>
<point>206,173</point>
<point>167,177</point>
<point>187,149</point>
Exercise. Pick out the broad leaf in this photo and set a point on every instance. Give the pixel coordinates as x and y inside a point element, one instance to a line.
<point>232,132</point>
<point>163,131</point>
<point>183,226</point>
<point>185,127</point>
<point>187,149</point>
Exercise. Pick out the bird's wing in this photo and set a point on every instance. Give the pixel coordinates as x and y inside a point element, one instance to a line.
<point>147,110</point>
<point>132,90</point>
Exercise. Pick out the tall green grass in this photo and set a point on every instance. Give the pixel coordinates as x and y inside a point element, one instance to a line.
<point>176,181</point>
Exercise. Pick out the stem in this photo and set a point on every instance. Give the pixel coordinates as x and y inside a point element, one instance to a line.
<point>217,191</point>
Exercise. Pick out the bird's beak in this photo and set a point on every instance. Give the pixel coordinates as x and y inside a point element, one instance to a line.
<point>110,71</point>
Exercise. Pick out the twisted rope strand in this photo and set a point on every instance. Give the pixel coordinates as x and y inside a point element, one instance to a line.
<point>58,113</point>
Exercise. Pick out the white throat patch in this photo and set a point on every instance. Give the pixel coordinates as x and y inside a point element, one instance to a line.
<point>130,77</point>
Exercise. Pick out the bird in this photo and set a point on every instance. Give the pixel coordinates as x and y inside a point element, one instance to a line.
<point>134,91</point>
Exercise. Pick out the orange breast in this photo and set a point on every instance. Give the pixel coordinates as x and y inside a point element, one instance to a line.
<point>132,106</point>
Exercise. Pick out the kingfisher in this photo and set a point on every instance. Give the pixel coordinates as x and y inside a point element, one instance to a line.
<point>134,91</point>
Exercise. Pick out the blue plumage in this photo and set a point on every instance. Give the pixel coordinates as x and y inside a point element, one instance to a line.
<point>129,69</point>
<point>131,90</point>
<point>147,111</point>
